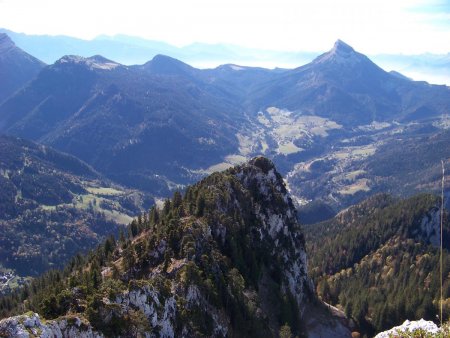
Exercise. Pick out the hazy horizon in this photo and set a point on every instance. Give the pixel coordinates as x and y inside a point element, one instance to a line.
<point>220,44</point>
<point>374,27</point>
<point>428,67</point>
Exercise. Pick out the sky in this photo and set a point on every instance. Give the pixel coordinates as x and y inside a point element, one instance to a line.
<point>373,26</point>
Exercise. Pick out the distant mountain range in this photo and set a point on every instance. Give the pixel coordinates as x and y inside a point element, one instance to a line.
<point>164,124</point>
<point>138,124</point>
<point>86,143</point>
<point>131,50</point>
<point>345,86</point>
<point>430,67</point>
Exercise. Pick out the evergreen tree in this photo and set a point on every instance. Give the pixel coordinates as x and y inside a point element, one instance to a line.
<point>200,205</point>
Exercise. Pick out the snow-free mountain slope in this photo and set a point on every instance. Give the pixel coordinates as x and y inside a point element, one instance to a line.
<point>16,67</point>
<point>164,124</point>
<point>53,205</point>
<point>379,260</point>
<point>142,123</point>
<point>346,86</point>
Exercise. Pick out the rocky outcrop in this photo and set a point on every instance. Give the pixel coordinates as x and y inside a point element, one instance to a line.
<point>430,226</point>
<point>422,325</point>
<point>278,224</point>
<point>228,259</point>
<point>31,325</point>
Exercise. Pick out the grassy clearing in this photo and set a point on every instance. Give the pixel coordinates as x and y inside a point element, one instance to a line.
<point>285,127</point>
<point>317,125</point>
<point>245,144</point>
<point>289,131</point>
<point>94,201</point>
<point>359,185</point>
<point>365,151</point>
<point>288,148</point>
<point>375,126</point>
<point>281,129</point>
<point>119,217</point>
<point>353,175</point>
<point>355,152</point>
<point>104,191</point>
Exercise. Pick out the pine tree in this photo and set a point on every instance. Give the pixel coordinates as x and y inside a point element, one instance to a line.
<point>177,199</point>
<point>200,206</point>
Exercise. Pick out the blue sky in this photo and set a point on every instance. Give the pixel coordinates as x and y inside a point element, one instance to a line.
<point>371,26</point>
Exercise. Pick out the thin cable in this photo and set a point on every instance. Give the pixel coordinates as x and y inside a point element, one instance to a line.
<point>442,219</point>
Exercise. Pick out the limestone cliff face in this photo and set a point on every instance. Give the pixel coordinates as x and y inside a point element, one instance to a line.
<point>227,260</point>
<point>277,225</point>
<point>430,227</point>
<point>31,325</point>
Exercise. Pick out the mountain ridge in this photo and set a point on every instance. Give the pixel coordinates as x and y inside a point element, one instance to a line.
<point>227,258</point>
<point>348,87</point>
<point>16,67</point>
<point>171,111</point>
<point>384,268</point>
<point>137,109</point>
<point>131,50</point>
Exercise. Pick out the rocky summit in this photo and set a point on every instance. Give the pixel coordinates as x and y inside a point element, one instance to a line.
<point>227,259</point>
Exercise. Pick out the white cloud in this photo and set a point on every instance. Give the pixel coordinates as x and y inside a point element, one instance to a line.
<point>370,26</point>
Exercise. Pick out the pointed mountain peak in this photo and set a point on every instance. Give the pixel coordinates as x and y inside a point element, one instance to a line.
<point>341,47</point>
<point>340,53</point>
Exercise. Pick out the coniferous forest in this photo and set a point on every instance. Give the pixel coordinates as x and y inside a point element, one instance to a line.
<point>163,199</point>
<point>380,261</point>
<point>204,245</point>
